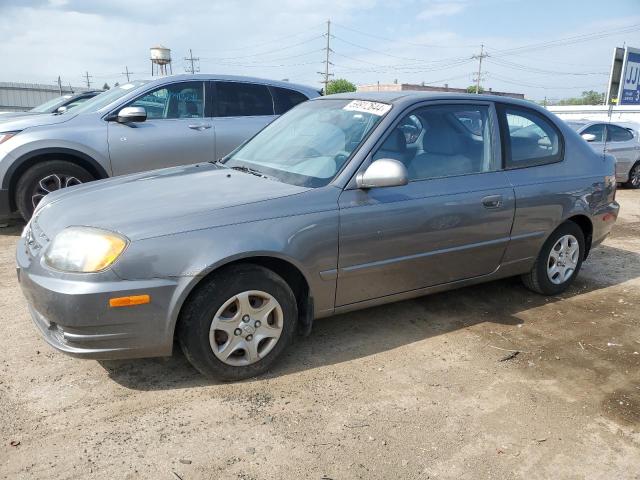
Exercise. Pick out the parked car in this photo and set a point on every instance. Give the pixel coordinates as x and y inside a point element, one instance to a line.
<point>620,139</point>
<point>328,209</point>
<point>56,105</point>
<point>134,127</point>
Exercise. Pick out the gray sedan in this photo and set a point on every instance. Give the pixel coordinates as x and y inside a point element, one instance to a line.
<point>620,139</point>
<point>343,203</point>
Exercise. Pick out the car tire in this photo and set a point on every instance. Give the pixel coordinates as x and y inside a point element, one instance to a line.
<point>46,177</point>
<point>564,250</point>
<point>634,177</point>
<point>225,330</point>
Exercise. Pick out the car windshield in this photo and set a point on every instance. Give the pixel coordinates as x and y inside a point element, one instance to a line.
<point>105,98</point>
<point>47,107</point>
<point>310,144</point>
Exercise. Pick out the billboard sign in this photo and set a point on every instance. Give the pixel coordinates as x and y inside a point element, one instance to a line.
<point>629,92</point>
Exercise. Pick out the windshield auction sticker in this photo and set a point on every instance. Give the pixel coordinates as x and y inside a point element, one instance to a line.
<point>375,108</point>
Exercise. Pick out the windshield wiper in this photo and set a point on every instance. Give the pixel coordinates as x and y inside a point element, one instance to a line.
<point>245,169</point>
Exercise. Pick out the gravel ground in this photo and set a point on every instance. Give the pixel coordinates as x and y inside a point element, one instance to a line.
<point>418,389</point>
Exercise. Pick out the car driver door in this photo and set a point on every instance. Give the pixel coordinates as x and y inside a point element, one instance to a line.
<point>176,131</point>
<point>451,221</point>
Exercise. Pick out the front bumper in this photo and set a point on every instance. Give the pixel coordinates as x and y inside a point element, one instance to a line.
<point>74,316</point>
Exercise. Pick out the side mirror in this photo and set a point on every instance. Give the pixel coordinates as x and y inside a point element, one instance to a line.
<point>383,173</point>
<point>131,114</point>
<point>589,137</point>
<point>61,109</point>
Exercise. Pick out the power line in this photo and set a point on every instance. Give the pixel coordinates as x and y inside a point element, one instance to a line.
<point>518,66</point>
<point>422,45</point>
<point>126,72</point>
<point>277,50</point>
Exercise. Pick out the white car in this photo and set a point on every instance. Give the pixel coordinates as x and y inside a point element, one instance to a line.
<point>620,139</point>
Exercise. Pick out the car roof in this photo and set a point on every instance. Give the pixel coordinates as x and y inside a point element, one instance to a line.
<point>234,78</point>
<point>408,97</point>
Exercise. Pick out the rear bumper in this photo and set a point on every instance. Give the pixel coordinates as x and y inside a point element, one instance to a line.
<point>603,221</point>
<point>74,316</point>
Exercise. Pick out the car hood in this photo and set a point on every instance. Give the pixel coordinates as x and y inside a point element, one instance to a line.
<point>163,202</point>
<point>9,122</point>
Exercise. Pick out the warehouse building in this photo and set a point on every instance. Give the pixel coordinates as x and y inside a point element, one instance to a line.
<point>20,97</point>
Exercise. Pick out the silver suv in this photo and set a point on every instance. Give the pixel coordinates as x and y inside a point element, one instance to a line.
<point>139,126</point>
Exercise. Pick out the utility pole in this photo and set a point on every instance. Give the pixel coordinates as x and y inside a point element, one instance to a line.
<point>192,59</point>
<point>87,77</point>
<point>480,57</point>
<point>126,72</point>
<point>328,50</point>
<point>60,85</point>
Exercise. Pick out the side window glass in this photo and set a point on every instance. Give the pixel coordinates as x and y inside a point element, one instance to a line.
<point>178,100</point>
<point>237,99</point>
<point>618,134</point>
<point>532,139</point>
<point>597,131</point>
<point>447,140</point>
<point>286,99</point>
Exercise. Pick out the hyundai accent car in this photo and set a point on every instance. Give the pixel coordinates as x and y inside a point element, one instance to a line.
<point>175,120</point>
<point>335,206</point>
<point>620,139</point>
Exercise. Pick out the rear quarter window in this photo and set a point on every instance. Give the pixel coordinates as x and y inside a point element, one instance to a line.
<point>285,99</point>
<point>529,138</point>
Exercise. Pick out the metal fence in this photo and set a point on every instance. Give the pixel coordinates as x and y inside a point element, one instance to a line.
<point>20,97</point>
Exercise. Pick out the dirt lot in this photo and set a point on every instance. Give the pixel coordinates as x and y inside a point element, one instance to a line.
<point>410,390</point>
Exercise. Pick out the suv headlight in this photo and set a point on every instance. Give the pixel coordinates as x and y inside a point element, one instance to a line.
<point>84,249</point>
<point>4,136</point>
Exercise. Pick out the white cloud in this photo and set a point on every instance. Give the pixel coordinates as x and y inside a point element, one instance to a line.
<point>441,9</point>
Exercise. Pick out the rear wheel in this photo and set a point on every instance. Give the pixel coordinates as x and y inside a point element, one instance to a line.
<point>634,177</point>
<point>238,322</point>
<point>44,178</point>
<point>558,262</point>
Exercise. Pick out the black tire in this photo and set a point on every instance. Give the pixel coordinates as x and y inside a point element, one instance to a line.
<point>634,177</point>
<point>537,279</point>
<point>28,184</point>
<point>197,315</point>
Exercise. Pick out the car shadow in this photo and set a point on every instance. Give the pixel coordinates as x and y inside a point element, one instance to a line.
<point>359,334</point>
<point>11,228</point>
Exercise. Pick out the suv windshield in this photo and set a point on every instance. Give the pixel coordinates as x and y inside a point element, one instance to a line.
<point>310,144</point>
<point>105,98</point>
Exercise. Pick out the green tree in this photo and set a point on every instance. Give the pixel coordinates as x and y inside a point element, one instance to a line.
<point>106,86</point>
<point>590,97</point>
<point>340,85</point>
<point>472,89</point>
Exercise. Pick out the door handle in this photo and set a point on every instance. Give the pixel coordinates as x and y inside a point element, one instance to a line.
<point>199,126</point>
<point>492,201</point>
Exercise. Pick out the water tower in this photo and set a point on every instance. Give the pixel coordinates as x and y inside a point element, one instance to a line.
<point>161,61</point>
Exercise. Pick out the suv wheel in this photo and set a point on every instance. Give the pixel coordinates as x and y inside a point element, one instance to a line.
<point>558,262</point>
<point>44,178</point>
<point>238,322</point>
<point>634,177</point>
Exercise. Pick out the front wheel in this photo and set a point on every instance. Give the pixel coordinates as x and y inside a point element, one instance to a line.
<point>558,262</point>
<point>238,322</point>
<point>44,178</point>
<point>634,177</point>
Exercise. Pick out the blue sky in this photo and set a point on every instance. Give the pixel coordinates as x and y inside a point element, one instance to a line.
<point>412,41</point>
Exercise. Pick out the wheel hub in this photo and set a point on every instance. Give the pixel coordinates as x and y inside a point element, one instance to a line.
<point>563,259</point>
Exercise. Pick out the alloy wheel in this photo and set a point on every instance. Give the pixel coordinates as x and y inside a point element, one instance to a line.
<point>51,183</point>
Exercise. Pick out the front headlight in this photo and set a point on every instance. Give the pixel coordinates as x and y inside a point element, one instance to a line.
<point>4,136</point>
<point>84,249</point>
